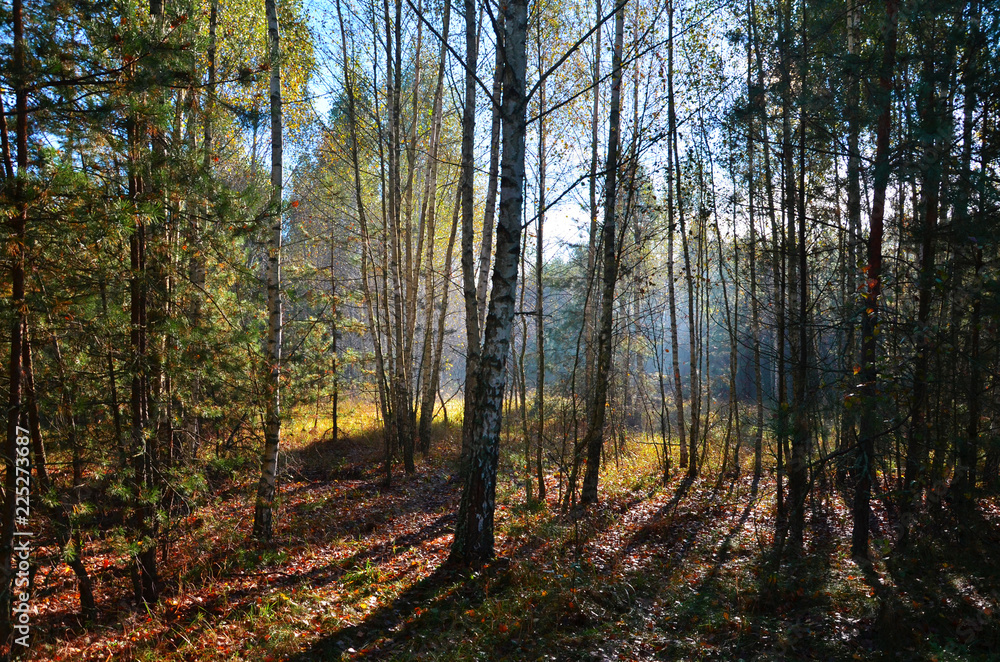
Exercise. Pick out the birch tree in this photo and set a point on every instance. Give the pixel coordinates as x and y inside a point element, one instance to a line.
<point>473,542</point>
<point>263,527</point>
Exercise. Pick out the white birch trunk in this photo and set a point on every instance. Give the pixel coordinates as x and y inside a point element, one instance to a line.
<point>263,512</point>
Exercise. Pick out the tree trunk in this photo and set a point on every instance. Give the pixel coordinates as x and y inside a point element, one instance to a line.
<point>692,463</point>
<point>756,104</point>
<point>918,439</point>
<point>411,266</point>
<point>473,542</point>
<point>68,539</point>
<point>466,185</point>
<point>143,444</point>
<point>777,268</point>
<point>594,439</point>
<point>263,511</point>
<point>399,385</point>
<point>486,246</point>
<point>17,224</point>
<point>431,378</point>
<point>671,286</point>
<point>334,362</point>
<point>590,306</point>
<point>539,284</point>
<point>732,313</point>
<point>373,329</point>
<point>848,418</point>
<point>968,447</point>
<point>520,396</point>
<point>791,279</point>
<point>196,264</point>
<point>869,322</point>
<point>798,484</point>
<point>435,374</point>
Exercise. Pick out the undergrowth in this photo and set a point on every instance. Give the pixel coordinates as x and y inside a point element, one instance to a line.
<point>660,569</point>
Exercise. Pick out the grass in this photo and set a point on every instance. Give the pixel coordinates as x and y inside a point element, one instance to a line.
<point>653,572</point>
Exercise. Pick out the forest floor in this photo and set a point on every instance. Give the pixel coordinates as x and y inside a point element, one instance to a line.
<point>681,571</point>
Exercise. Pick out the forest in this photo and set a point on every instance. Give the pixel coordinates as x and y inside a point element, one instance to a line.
<point>500,330</point>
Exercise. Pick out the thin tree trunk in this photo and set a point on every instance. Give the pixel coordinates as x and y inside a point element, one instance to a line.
<point>486,246</point>
<point>664,413</point>
<point>520,380</point>
<point>68,539</point>
<point>435,374</point>
<point>777,268</point>
<point>196,264</point>
<point>693,359</point>
<point>539,284</point>
<point>848,418</point>
<point>399,386</point>
<point>918,439</point>
<point>594,439</point>
<point>791,279</point>
<point>671,286</point>
<point>466,185</point>
<point>732,313</point>
<point>18,225</point>
<point>373,329</point>
<point>590,307</point>
<point>412,263</point>
<point>968,447</point>
<point>692,463</point>
<point>380,309</point>
<point>334,362</point>
<point>757,102</point>
<point>263,512</point>
<point>869,328</point>
<point>965,473</point>
<point>798,484</point>
<point>431,379</point>
<point>143,444</point>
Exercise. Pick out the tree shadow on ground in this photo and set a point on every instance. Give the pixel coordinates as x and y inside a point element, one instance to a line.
<point>401,624</point>
<point>715,599</point>
<point>450,599</point>
<point>791,614</point>
<point>942,593</point>
<point>327,496</point>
